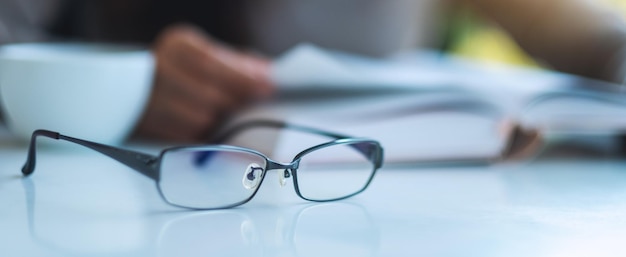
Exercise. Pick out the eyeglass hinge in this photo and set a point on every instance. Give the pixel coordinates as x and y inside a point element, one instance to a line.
<point>145,159</point>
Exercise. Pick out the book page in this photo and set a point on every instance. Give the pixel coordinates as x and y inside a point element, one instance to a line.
<point>421,106</point>
<point>411,128</point>
<point>308,67</point>
<point>576,112</point>
<point>546,101</point>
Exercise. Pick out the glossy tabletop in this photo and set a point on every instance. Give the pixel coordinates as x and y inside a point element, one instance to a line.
<point>79,203</point>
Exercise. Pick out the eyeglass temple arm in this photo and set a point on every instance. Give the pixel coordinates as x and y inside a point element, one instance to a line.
<point>233,131</point>
<point>143,163</point>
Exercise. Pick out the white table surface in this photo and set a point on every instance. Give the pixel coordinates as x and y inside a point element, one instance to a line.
<point>80,203</point>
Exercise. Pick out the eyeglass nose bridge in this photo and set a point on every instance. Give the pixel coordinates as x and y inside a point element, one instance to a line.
<point>273,165</point>
<point>286,167</point>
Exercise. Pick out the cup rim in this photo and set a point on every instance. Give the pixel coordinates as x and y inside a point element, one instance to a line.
<point>70,50</point>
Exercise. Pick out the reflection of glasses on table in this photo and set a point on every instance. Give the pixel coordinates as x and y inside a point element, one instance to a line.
<point>329,229</point>
<point>224,176</point>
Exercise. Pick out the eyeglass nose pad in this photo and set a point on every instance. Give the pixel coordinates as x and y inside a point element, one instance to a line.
<point>282,179</point>
<point>252,176</point>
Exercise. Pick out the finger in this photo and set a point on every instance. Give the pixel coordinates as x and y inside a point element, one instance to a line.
<point>195,54</point>
<point>252,73</point>
<point>201,94</point>
<point>170,118</point>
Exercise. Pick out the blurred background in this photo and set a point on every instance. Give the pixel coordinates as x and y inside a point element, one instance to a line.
<point>472,37</point>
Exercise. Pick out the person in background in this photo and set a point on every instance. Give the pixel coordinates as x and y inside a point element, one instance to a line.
<point>213,55</point>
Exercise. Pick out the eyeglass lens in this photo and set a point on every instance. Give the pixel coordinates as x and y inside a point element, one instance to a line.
<point>210,178</point>
<point>335,171</point>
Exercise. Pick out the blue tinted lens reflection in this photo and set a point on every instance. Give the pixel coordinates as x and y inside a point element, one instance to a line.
<point>209,177</point>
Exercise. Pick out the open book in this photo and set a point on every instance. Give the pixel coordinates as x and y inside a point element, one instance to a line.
<point>431,107</point>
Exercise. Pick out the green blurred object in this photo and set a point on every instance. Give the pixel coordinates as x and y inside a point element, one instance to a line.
<point>474,38</point>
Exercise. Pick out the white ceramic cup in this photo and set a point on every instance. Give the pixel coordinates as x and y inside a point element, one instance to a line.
<point>91,91</point>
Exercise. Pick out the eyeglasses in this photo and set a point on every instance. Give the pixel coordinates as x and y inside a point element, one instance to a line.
<point>224,176</point>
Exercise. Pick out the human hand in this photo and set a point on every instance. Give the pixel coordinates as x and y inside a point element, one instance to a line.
<point>198,83</point>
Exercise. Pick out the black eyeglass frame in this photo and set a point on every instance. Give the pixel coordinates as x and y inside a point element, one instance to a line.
<point>150,165</point>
